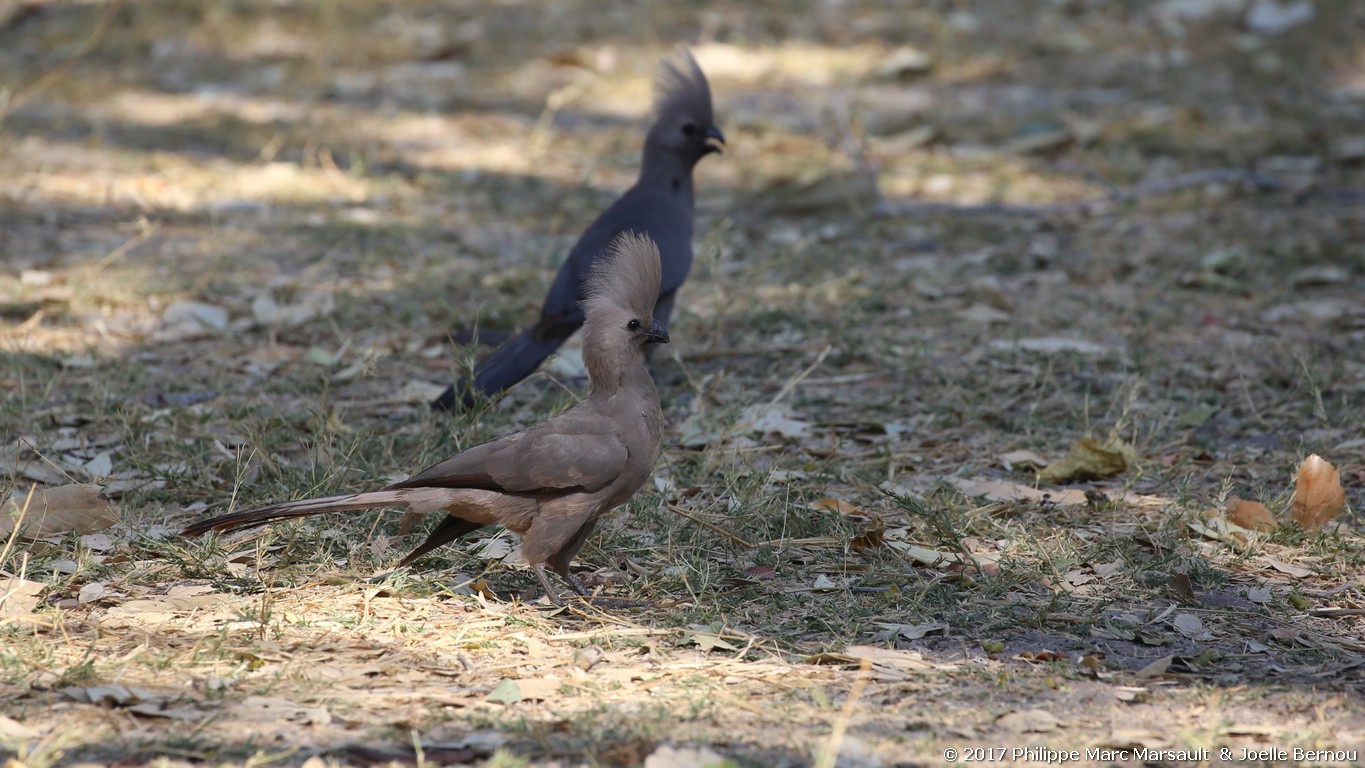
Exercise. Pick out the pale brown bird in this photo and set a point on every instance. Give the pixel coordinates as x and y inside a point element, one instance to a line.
<point>550,482</point>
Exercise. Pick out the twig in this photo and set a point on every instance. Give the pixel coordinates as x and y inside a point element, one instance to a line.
<point>732,537</point>
<point>47,79</point>
<point>793,381</point>
<point>1153,188</point>
<point>830,754</point>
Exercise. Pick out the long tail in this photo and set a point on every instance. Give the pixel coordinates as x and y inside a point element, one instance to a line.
<point>251,518</point>
<point>509,364</point>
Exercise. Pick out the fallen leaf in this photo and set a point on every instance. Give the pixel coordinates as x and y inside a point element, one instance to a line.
<point>888,657</point>
<point>1051,345</point>
<point>763,419</point>
<point>1028,721</point>
<point>74,508</point>
<point>668,756</point>
<point>907,631</point>
<point>1022,459</point>
<point>761,572</point>
<point>1191,626</point>
<point>705,638</point>
<point>92,592</point>
<point>1089,459</point>
<point>19,596</point>
<point>1251,515</point>
<point>1183,588</point>
<point>1273,17</point>
<point>196,313</point>
<point>1287,569</point>
<point>13,730</point>
<point>1155,668</point>
<point>839,506</point>
<point>1318,495</point>
<point>538,688</point>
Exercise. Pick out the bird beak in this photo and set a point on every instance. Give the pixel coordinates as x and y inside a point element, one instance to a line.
<point>657,333</point>
<point>713,134</point>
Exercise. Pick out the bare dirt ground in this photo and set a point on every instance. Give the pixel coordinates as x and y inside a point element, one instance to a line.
<point>238,239</point>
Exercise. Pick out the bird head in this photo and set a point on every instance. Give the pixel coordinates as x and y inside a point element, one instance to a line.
<point>683,119</point>
<point>620,293</point>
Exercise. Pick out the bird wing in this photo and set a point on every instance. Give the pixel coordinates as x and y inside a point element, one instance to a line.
<point>573,451</point>
<point>666,219</point>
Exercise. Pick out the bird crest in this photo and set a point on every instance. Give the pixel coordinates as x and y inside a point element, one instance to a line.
<point>626,277</point>
<point>681,90</point>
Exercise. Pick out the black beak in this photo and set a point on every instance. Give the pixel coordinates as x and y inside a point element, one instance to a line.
<point>713,134</point>
<point>657,333</point>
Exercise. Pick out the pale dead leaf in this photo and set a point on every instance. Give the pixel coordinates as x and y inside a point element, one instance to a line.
<point>668,756</point>
<point>74,508</point>
<point>705,638</point>
<point>1052,345</point>
<point>1318,494</point>
<point>92,592</point>
<point>539,688</point>
<point>38,469</point>
<point>99,467</point>
<point>1191,626</point>
<point>1287,569</point>
<point>13,730</point>
<point>889,657</point>
<point>308,306</point>
<point>19,597</point>
<point>838,506</point>
<point>907,631</point>
<point>1022,458</point>
<point>263,709</point>
<point>1004,490</point>
<point>1089,459</point>
<point>764,419</point>
<point>1251,515</point>
<point>507,692</point>
<point>1028,721</point>
<point>1155,668</point>
<point>190,316</point>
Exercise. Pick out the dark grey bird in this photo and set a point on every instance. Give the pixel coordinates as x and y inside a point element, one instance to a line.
<point>659,206</point>
<point>550,482</point>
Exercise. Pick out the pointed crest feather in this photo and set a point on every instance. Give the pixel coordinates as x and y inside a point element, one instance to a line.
<point>625,277</point>
<point>681,90</point>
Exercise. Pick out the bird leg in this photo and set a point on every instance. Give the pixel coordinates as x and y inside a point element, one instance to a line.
<point>574,583</point>
<point>545,584</point>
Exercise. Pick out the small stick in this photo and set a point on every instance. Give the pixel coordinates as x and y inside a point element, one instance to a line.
<point>732,537</point>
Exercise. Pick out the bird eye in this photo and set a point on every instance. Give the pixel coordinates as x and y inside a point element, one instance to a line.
<point>689,129</point>
<point>633,325</point>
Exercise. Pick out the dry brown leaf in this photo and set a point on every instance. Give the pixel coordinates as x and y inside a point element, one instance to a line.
<point>1251,515</point>
<point>1028,721</point>
<point>74,508</point>
<point>1021,459</point>
<point>19,596</point>
<point>1089,459</point>
<point>1155,668</point>
<point>831,504</point>
<point>1318,495</point>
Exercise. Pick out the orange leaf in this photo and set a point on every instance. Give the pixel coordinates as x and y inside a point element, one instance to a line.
<point>1251,515</point>
<point>831,504</point>
<point>1318,495</point>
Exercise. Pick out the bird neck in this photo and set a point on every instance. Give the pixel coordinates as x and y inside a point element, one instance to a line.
<point>666,170</point>
<point>616,370</point>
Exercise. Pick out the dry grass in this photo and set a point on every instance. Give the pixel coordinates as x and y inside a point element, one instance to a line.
<point>348,182</point>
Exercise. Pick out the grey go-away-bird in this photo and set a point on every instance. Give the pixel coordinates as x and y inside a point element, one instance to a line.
<point>550,482</point>
<point>660,205</point>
